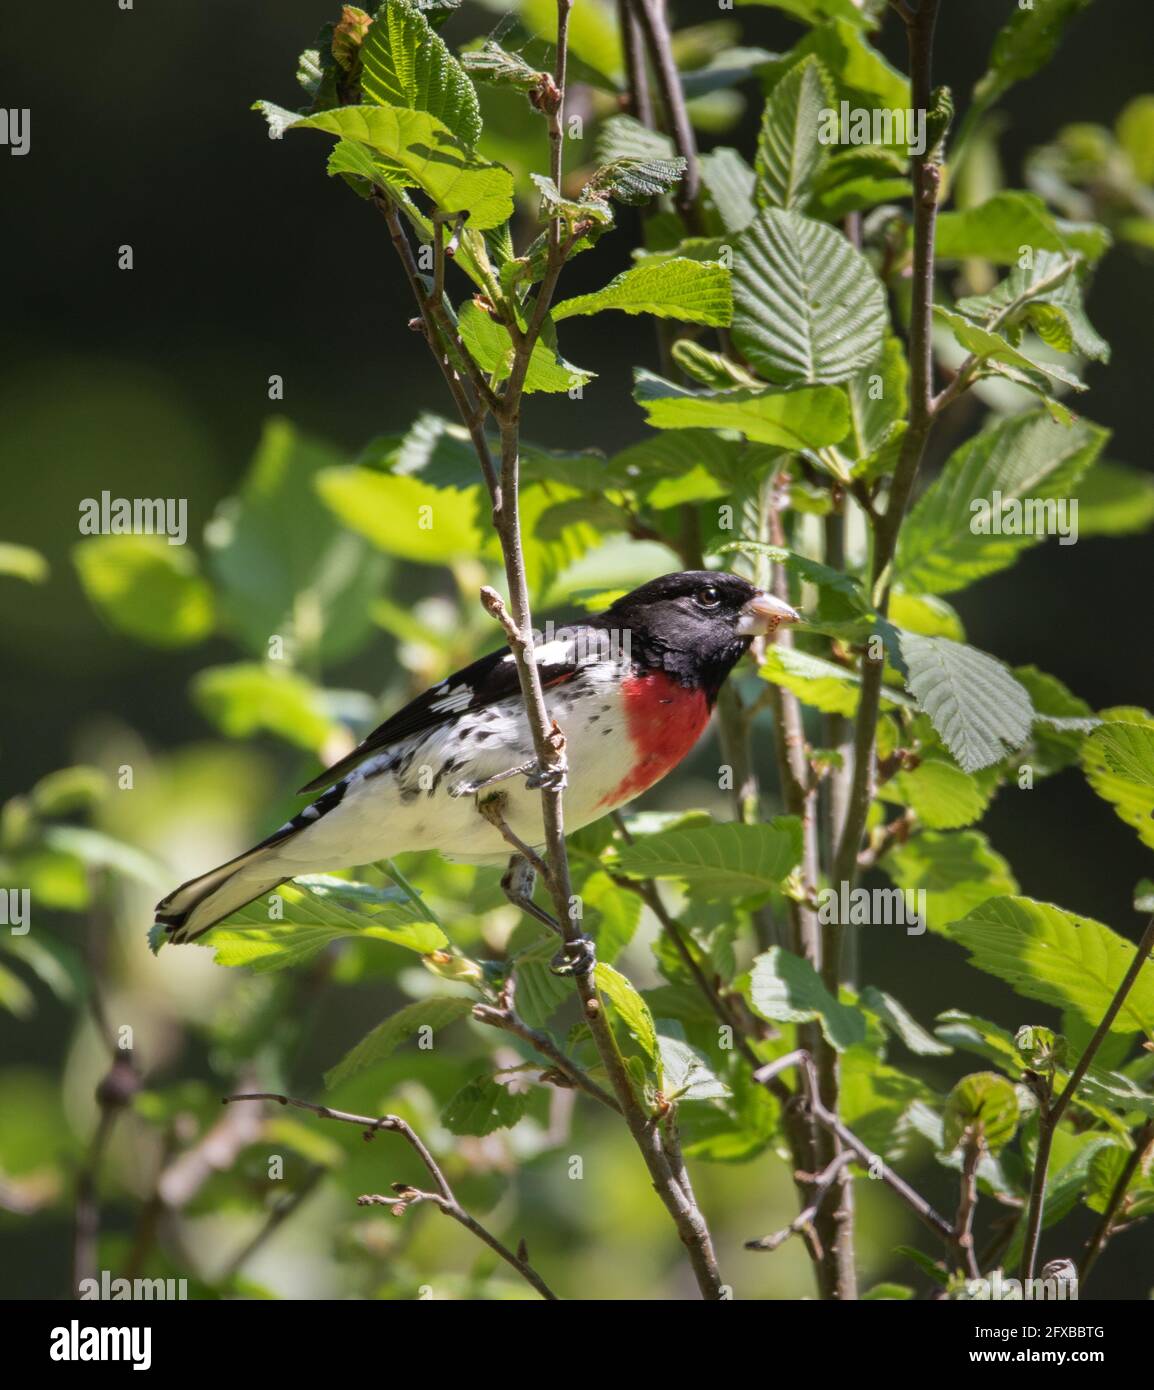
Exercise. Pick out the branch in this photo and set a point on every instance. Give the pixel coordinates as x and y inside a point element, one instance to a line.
<point>968,1205</point>
<point>654,26</point>
<point>1143,1143</point>
<point>873,1162</point>
<point>443,1197</point>
<point>1050,1115</point>
<point>509,1021</point>
<point>926,179</point>
<point>802,1223</point>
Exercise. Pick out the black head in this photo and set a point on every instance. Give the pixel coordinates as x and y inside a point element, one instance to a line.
<point>695,625</point>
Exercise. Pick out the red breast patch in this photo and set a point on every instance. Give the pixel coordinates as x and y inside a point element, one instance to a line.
<point>663,720</point>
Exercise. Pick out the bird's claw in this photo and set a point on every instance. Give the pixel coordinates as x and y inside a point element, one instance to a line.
<point>575,958</point>
<point>552,779</point>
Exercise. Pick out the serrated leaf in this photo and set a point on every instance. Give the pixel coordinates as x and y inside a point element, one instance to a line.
<point>784,988</point>
<point>417,151</point>
<point>977,707</point>
<point>718,861</point>
<point>493,350</point>
<point>1116,759</point>
<point>903,1024</point>
<point>631,1009</point>
<point>789,155</point>
<point>434,1013</point>
<point>802,418</point>
<point>983,1104</point>
<point>1027,458</point>
<point>686,1073</point>
<point>691,291</point>
<point>633,181</point>
<point>1058,958</point>
<point>482,1106</point>
<point>315,911</point>
<point>986,346</point>
<point>492,64</point>
<point>807,306</point>
<point>405,64</point>
<point>940,793</point>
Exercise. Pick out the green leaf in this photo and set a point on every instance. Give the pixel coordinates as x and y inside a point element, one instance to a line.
<point>1052,280</point>
<point>926,614</point>
<point>1057,958</point>
<point>483,1106</point>
<point>492,64</point>
<point>631,1009</point>
<point>315,911</point>
<point>1115,500</point>
<point>635,182</point>
<point>618,915</point>
<point>784,988</point>
<point>284,562</point>
<point>899,1020</point>
<point>434,1013</point>
<point>623,137</point>
<point>1025,43</point>
<point>977,707</point>
<point>956,872</point>
<point>1003,226</point>
<point>146,588</point>
<point>878,397</point>
<point>942,795</point>
<point>811,571</point>
<point>803,418</point>
<point>419,151</point>
<point>692,291</point>
<point>404,516</point>
<point>729,181</point>
<point>686,1073</point>
<point>807,306</point>
<point>22,562</point>
<point>789,155</point>
<point>718,861</point>
<point>983,1105</point>
<point>1116,759</point>
<point>1026,459</point>
<point>861,74</point>
<point>821,684</point>
<point>405,64</point>
<point>986,346</point>
<point>492,348</point>
<point>247,697</point>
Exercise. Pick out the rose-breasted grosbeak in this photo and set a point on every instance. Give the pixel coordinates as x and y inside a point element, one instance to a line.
<point>631,688</point>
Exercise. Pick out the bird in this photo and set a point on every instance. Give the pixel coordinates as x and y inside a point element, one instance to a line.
<point>631,688</point>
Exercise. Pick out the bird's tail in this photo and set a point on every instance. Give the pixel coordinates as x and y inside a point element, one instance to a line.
<point>190,910</point>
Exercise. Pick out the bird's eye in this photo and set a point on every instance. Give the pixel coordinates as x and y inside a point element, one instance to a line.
<point>707,597</point>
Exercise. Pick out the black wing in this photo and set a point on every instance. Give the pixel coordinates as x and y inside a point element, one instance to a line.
<point>484,682</point>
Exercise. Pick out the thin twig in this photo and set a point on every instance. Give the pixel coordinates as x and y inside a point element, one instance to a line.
<point>510,1022</point>
<point>655,27</point>
<point>1143,1143</point>
<point>968,1205</point>
<point>443,1197</point>
<point>873,1162</point>
<point>803,1221</point>
<point>1050,1114</point>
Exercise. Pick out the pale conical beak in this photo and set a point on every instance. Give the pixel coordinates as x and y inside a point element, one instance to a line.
<point>763,615</point>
